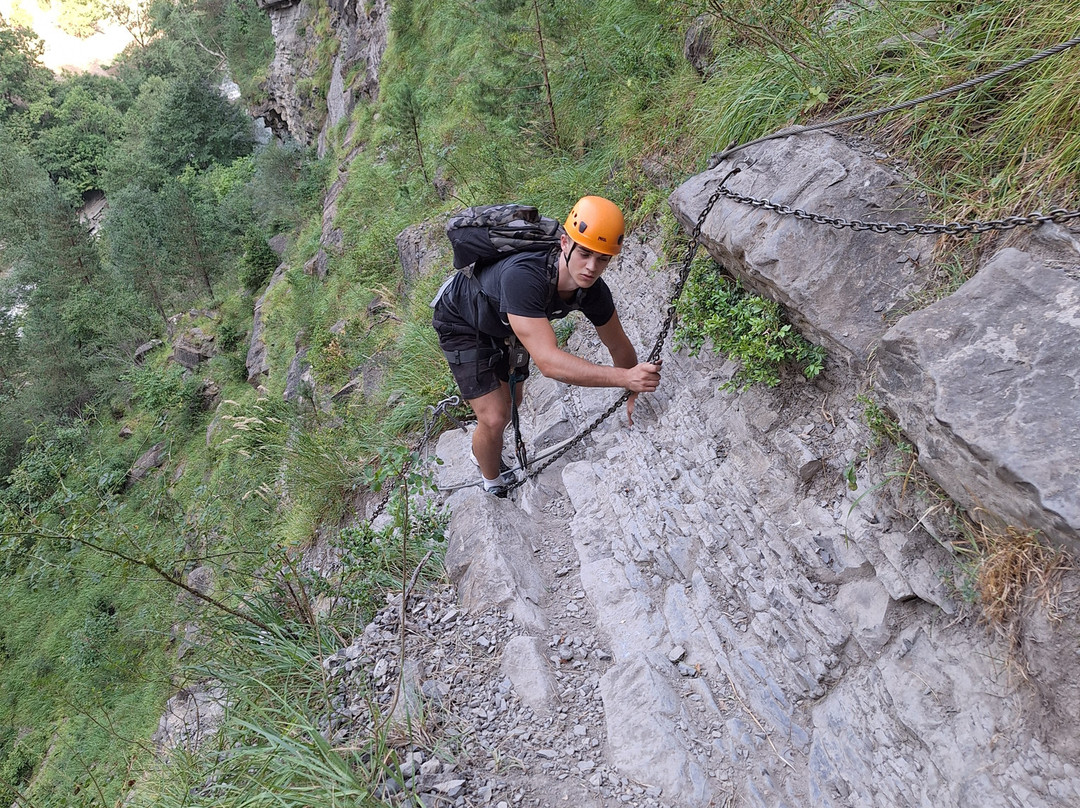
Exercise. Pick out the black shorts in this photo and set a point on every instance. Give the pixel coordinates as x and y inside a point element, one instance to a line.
<point>488,363</point>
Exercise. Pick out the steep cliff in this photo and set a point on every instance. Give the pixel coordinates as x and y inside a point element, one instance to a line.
<point>326,60</point>
<point>727,603</point>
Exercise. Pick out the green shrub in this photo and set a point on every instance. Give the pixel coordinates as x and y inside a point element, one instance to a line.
<point>742,326</point>
<point>257,264</point>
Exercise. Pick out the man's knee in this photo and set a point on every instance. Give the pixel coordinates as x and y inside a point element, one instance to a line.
<point>494,418</point>
<point>493,410</point>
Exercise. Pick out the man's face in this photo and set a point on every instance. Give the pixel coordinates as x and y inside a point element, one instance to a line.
<point>584,266</point>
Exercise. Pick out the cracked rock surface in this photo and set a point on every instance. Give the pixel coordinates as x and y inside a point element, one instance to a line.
<point>678,614</point>
<point>729,603</point>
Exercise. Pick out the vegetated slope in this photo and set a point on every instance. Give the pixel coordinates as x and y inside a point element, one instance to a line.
<point>465,117</point>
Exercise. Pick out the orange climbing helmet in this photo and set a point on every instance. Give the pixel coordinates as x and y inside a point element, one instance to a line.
<point>596,224</point>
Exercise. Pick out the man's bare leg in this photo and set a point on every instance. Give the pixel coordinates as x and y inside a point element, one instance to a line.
<point>492,417</point>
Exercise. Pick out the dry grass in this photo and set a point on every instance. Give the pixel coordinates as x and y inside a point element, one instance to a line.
<point>1010,571</point>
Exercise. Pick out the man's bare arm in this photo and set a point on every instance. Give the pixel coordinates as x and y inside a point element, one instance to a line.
<point>538,337</point>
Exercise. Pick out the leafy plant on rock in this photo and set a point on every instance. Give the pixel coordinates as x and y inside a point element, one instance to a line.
<point>715,309</point>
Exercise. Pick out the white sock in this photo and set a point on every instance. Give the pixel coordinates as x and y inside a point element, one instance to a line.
<point>491,483</point>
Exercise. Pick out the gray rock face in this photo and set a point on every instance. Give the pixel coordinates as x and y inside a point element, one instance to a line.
<point>500,573</point>
<point>149,460</point>
<point>257,363</point>
<point>987,383</point>
<point>284,111</point>
<point>839,286</point>
<point>190,717</point>
<point>770,635</point>
<point>361,30</point>
<point>423,248</point>
<point>192,348</point>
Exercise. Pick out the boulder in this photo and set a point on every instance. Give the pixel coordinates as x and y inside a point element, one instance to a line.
<point>146,349</point>
<point>840,287</point>
<point>149,460</point>
<point>299,381</point>
<point>490,558</point>
<point>987,384</point>
<point>698,46</point>
<point>423,246</point>
<point>193,347</point>
<point>190,717</point>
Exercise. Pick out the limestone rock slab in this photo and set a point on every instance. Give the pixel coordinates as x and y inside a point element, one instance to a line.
<point>642,712</point>
<point>489,558</point>
<point>987,384</point>
<point>524,663</point>
<point>838,286</point>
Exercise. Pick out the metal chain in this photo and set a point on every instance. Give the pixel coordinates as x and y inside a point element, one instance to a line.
<point>661,338</point>
<point>923,228</point>
<point>951,228</point>
<point>431,418</point>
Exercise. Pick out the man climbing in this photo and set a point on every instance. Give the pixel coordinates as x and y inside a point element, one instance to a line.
<point>519,296</point>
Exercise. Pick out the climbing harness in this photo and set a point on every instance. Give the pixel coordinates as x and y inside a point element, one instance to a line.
<point>658,346</point>
<point>518,358</point>
<point>950,228</point>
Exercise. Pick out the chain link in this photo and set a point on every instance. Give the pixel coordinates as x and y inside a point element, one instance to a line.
<point>431,418</point>
<point>716,159</point>
<point>1057,215</point>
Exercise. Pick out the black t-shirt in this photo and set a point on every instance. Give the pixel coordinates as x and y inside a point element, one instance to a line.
<point>519,284</point>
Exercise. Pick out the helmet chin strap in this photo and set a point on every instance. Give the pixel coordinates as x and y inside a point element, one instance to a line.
<point>568,253</point>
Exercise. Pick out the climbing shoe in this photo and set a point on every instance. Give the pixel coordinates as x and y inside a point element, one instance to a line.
<point>507,475</point>
<point>496,488</point>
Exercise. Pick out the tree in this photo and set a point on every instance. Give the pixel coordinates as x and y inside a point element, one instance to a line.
<point>195,126</point>
<point>75,130</point>
<point>53,286</point>
<point>22,76</point>
<point>520,41</point>
<point>134,248</point>
<point>134,17</point>
<point>403,111</point>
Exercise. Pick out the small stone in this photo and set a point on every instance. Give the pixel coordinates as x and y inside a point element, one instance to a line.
<point>676,653</point>
<point>451,788</point>
<point>451,614</point>
<point>431,766</point>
